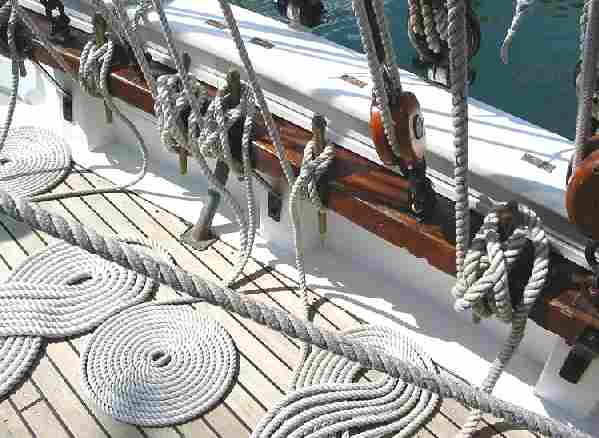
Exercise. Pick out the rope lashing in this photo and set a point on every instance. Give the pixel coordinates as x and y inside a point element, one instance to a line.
<point>484,284</point>
<point>270,316</point>
<point>172,109</point>
<point>60,292</point>
<point>522,8</point>
<point>327,400</point>
<point>159,364</point>
<point>33,161</point>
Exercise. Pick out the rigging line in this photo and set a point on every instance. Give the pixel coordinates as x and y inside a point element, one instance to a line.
<point>376,74</point>
<point>56,84</point>
<point>125,255</point>
<point>588,71</point>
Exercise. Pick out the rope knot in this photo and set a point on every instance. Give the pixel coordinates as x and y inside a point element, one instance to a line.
<point>208,139</point>
<point>94,66</point>
<point>311,170</point>
<point>483,286</point>
<point>15,38</point>
<point>176,121</point>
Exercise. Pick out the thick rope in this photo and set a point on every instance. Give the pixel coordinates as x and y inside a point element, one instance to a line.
<point>327,400</point>
<point>388,47</point>
<point>60,292</point>
<point>9,19</point>
<point>159,364</point>
<point>33,161</point>
<point>459,90</point>
<point>588,71</point>
<point>522,8</point>
<point>113,250</point>
<point>376,73</point>
<point>94,69</point>
<point>484,286</point>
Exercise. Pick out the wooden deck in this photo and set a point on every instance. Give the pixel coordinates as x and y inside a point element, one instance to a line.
<point>50,402</point>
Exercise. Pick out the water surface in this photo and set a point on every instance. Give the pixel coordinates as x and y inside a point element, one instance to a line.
<point>536,85</point>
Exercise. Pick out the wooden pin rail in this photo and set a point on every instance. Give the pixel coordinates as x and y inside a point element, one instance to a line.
<point>364,192</point>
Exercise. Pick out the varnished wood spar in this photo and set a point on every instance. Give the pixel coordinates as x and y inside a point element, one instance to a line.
<point>367,194</point>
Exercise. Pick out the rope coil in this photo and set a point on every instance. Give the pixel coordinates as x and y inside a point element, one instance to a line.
<point>112,250</point>
<point>60,292</point>
<point>326,402</point>
<point>33,161</point>
<point>159,364</point>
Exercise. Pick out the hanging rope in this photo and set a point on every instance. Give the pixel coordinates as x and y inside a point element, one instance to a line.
<point>17,44</point>
<point>590,45</point>
<point>305,187</point>
<point>112,250</point>
<point>376,71</point>
<point>428,24</point>
<point>484,286</point>
<point>522,8</point>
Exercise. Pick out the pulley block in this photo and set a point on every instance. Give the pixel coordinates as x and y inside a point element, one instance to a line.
<point>582,202</point>
<point>409,130</point>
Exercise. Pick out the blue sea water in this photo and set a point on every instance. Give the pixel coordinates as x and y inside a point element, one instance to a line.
<point>536,85</point>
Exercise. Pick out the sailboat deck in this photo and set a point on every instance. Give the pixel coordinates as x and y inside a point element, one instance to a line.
<point>50,403</point>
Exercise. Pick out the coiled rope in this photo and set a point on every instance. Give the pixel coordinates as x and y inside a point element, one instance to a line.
<point>60,292</point>
<point>428,25</point>
<point>93,74</point>
<point>180,280</point>
<point>159,364</point>
<point>326,400</point>
<point>33,161</point>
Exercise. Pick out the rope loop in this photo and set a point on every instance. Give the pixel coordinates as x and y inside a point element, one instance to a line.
<point>206,138</point>
<point>311,170</point>
<point>483,287</point>
<point>173,110</point>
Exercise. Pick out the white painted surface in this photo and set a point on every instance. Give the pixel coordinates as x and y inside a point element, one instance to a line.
<point>301,75</point>
<point>581,398</point>
<point>364,274</point>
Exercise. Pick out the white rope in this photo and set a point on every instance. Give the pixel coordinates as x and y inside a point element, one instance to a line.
<point>483,287</point>
<point>522,8</point>
<point>273,317</point>
<point>376,73</point>
<point>305,187</point>
<point>327,400</point>
<point>60,292</point>
<point>33,161</point>
<point>159,364</point>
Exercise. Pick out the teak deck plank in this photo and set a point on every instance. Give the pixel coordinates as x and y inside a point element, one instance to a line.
<point>51,402</point>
